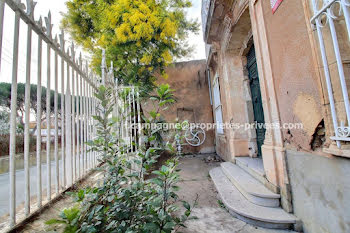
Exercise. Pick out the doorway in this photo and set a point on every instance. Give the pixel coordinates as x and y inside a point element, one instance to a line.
<point>252,68</point>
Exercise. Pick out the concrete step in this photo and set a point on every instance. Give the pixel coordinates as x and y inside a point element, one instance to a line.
<point>252,189</point>
<point>241,208</point>
<point>255,168</point>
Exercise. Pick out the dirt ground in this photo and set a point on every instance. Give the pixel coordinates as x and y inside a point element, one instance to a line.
<point>195,180</point>
<point>38,224</point>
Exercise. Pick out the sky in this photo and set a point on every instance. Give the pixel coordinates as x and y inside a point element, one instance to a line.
<point>197,40</point>
<point>57,7</point>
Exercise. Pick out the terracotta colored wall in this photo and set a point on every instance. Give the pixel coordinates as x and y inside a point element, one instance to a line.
<point>190,82</point>
<point>296,81</point>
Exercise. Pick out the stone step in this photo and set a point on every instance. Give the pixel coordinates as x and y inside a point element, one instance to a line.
<point>241,208</point>
<point>252,189</point>
<point>255,168</point>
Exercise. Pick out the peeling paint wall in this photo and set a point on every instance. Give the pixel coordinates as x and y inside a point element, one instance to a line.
<point>190,84</point>
<point>296,80</point>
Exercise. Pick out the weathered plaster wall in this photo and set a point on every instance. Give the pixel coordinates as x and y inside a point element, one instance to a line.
<point>190,82</point>
<point>221,144</point>
<point>320,190</point>
<point>296,80</point>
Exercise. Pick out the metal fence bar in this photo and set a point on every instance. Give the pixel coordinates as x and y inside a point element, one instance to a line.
<point>340,66</point>
<point>78,126</point>
<point>73,119</point>
<point>13,122</point>
<point>63,96</point>
<point>38,124</point>
<point>48,125</point>
<point>26,126</point>
<point>134,114</point>
<point>125,117</point>
<point>69,172</point>
<point>89,124</point>
<point>84,131</point>
<point>30,12</point>
<point>57,171</point>
<point>82,126</point>
<point>85,127</point>
<point>129,119</point>
<point>139,118</point>
<point>93,122</point>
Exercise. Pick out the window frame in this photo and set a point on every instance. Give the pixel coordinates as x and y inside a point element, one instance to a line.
<point>217,106</point>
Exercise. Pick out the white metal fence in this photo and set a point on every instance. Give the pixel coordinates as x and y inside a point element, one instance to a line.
<point>326,12</point>
<point>128,111</point>
<point>64,69</point>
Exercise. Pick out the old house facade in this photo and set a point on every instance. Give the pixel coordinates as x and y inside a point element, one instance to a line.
<point>279,74</point>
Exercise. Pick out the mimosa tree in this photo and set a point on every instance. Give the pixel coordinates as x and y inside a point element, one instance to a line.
<point>141,37</point>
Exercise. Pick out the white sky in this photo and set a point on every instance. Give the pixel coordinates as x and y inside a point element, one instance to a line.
<point>58,6</point>
<point>197,40</point>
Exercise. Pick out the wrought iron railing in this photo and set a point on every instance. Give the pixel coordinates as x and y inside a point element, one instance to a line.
<point>77,86</point>
<point>326,12</point>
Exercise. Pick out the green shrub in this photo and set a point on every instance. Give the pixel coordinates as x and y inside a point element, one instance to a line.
<point>126,202</point>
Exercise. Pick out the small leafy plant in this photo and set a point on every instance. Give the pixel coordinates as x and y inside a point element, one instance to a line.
<point>126,202</point>
<point>69,217</point>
